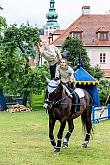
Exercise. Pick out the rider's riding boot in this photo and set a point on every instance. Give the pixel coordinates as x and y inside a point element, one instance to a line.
<point>73,86</point>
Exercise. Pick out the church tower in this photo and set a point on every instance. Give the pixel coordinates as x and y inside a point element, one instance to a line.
<point>51,16</point>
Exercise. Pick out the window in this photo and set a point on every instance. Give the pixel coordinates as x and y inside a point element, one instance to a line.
<point>51,5</point>
<point>102,58</point>
<point>103,36</point>
<point>76,35</point>
<point>46,32</point>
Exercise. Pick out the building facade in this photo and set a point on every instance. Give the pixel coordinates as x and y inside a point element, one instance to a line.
<point>94,31</point>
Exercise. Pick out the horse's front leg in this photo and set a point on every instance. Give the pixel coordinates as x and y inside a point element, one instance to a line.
<point>68,134</point>
<point>59,136</point>
<point>51,129</point>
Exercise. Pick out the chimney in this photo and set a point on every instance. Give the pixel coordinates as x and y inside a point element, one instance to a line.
<point>85,10</point>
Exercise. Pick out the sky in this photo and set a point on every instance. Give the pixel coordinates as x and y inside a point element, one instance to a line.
<point>34,11</point>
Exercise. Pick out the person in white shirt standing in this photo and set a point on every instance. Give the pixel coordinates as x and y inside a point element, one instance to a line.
<point>50,53</point>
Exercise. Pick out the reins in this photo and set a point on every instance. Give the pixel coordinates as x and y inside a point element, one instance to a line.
<point>61,100</point>
<point>57,102</point>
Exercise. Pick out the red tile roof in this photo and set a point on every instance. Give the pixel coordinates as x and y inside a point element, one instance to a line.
<point>44,37</point>
<point>102,29</point>
<point>89,24</point>
<point>77,29</point>
<point>58,31</point>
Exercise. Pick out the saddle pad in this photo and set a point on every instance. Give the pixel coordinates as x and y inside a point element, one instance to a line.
<point>80,92</point>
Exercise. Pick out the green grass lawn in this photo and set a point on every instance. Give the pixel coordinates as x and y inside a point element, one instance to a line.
<point>24,141</point>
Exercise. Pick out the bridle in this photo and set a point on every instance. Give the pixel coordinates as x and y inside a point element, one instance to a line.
<point>61,100</point>
<point>58,102</point>
<point>53,103</point>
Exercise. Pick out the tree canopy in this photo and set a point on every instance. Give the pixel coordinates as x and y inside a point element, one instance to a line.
<point>75,48</point>
<point>16,74</point>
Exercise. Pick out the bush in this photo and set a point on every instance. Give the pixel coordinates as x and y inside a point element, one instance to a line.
<point>104,91</point>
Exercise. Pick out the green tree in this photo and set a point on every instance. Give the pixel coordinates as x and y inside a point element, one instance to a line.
<point>11,65</point>
<point>16,75</point>
<point>74,48</point>
<point>96,72</point>
<point>104,91</point>
<point>3,24</point>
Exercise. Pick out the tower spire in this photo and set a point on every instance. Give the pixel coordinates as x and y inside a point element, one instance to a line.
<point>51,16</point>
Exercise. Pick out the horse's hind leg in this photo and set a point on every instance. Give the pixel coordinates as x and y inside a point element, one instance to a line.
<point>59,136</point>
<point>88,124</point>
<point>51,135</point>
<point>68,134</point>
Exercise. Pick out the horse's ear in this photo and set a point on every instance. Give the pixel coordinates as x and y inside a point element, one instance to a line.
<point>47,80</point>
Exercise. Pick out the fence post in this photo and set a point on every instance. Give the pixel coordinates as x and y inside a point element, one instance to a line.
<point>93,114</point>
<point>109,111</point>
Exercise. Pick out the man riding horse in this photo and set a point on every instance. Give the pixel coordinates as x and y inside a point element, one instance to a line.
<point>66,74</point>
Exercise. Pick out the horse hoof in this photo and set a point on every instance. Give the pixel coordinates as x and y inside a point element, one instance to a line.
<point>57,150</point>
<point>84,145</point>
<point>65,145</point>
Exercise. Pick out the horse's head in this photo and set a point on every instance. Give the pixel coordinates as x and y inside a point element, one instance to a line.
<point>53,91</point>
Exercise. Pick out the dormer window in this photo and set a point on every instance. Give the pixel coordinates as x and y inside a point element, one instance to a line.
<point>76,32</point>
<point>102,34</point>
<point>77,35</point>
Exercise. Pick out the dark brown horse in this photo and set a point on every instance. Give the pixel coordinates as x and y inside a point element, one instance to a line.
<point>64,108</point>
